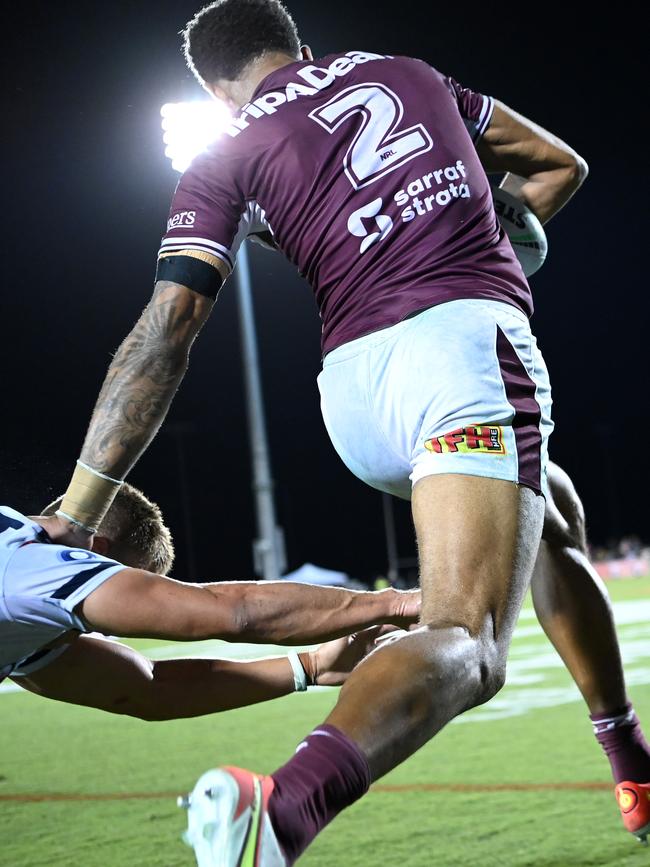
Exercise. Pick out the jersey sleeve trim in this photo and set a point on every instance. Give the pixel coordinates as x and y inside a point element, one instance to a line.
<point>66,590</point>
<point>208,258</point>
<point>484,119</point>
<point>204,245</point>
<point>175,250</point>
<point>83,590</point>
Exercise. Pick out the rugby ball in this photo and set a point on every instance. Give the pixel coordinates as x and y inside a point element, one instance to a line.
<point>524,230</point>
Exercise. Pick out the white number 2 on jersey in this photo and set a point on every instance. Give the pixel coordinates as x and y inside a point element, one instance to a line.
<point>377,148</point>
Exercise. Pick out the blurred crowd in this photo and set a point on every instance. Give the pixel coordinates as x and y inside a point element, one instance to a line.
<point>627,548</point>
<point>628,557</point>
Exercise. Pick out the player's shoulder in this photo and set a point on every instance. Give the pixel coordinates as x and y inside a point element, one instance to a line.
<point>27,547</point>
<point>341,64</point>
<point>414,71</point>
<point>433,75</point>
<point>14,524</point>
<point>16,530</point>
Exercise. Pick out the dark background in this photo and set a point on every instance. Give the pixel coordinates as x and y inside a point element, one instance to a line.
<point>86,190</point>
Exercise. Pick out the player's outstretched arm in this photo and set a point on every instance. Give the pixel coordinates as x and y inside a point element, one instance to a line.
<point>142,379</point>
<point>543,171</point>
<point>138,604</point>
<point>96,672</point>
<point>137,392</point>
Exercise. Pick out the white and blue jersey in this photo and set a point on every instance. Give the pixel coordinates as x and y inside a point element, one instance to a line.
<point>40,586</point>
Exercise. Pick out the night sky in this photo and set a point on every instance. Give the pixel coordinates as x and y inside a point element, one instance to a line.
<point>86,193</point>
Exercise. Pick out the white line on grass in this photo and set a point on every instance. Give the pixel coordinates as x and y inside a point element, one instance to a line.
<point>531,667</point>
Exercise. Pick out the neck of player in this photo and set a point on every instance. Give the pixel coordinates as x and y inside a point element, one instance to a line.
<point>240,92</point>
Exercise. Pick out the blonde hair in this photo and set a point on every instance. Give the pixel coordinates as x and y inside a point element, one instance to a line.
<point>136,529</point>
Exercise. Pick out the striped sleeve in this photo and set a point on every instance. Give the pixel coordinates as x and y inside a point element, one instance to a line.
<point>180,243</point>
<point>209,216</point>
<point>475,108</point>
<point>205,213</point>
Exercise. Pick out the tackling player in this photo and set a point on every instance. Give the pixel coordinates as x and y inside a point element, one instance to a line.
<point>369,172</point>
<point>52,597</point>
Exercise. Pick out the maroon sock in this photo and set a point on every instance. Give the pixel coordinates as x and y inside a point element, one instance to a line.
<point>327,773</point>
<point>619,734</point>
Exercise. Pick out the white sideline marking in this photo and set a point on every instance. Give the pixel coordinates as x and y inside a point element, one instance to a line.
<point>531,663</point>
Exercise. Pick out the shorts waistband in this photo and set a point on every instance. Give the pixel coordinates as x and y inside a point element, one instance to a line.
<point>376,338</point>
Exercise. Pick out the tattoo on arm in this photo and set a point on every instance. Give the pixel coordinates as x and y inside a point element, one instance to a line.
<point>142,379</point>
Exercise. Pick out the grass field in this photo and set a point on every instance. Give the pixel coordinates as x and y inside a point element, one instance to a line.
<point>518,782</point>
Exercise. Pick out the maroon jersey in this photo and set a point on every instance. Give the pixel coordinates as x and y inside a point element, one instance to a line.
<point>364,169</point>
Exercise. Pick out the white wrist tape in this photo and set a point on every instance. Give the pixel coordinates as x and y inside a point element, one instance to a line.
<point>299,676</point>
<point>66,517</point>
<point>98,474</point>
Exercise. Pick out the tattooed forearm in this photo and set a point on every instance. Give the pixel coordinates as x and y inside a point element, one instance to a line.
<point>142,379</point>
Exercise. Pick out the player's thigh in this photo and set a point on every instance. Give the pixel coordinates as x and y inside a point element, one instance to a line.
<point>93,672</point>
<point>477,541</point>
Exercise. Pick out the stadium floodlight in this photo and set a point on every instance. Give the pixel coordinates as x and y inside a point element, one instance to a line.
<point>189,127</point>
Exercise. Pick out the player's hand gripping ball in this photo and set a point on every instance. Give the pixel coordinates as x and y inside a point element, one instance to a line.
<point>524,230</point>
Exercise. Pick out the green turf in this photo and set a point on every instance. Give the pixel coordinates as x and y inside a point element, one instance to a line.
<point>50,748</point>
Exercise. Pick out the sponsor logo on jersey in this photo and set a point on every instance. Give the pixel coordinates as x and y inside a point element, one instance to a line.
<point>419,204</point>
<point>313,79</point>
<point>184,218</point>
<point>486,439</point>
<point>369,224</point>
<point>74,555</point>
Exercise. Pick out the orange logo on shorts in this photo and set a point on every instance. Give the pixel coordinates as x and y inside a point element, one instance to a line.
<point>484,438</point>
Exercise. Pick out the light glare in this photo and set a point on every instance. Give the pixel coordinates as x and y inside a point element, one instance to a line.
<point>189,127</point>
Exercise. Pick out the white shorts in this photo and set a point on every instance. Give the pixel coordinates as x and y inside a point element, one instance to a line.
<point>458,388</point>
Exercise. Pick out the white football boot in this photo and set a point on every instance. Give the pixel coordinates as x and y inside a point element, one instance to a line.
<point>228,823</point>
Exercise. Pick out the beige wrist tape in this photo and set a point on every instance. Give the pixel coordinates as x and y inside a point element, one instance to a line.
<point>89,496</point>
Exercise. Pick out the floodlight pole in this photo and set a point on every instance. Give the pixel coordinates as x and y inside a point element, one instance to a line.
<point>269,558</point>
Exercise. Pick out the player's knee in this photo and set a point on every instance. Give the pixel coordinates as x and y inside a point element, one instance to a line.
<point>489,671</point>
<point>493,677</point>
<point>475,664</point>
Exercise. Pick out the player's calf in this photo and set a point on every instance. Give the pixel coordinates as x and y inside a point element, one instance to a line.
<point>574,610</point>
<point>571,601</point>
<point>411,688</point>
